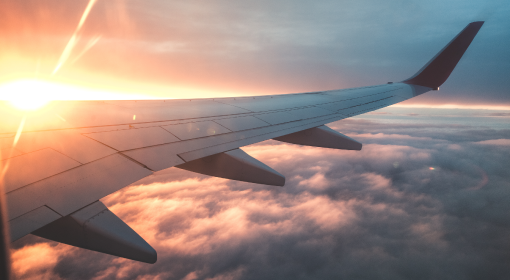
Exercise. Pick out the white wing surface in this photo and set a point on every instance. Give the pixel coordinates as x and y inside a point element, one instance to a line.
<point>59,161</point>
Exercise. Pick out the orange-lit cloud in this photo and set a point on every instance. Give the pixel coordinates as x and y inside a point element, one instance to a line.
<point>37,261</point>
<point>340,212</point>
<point>197,216</point>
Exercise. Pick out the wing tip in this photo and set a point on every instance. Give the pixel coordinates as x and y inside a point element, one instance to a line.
<point>439,68</point>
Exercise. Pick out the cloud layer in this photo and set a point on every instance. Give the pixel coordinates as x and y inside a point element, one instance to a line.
<point>422,201</point>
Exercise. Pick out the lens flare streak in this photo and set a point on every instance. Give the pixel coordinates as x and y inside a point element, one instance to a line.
<point>72,42</point>
<point>89,45</point>
<point>6,163</point>
<point>18,133</point>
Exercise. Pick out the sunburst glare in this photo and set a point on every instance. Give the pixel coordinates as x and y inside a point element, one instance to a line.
<point>24,95</point>
<point>34,94</point>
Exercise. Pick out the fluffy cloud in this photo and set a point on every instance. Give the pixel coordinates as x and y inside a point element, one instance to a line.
<point>421,207</point>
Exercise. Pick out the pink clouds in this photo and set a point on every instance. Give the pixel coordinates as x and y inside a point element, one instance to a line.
<point>236,217</point>
<point>197,216</point>
<point>319,159</point>
<point>339,213</point>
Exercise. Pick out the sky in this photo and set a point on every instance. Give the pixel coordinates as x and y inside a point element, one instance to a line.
<point>190,49</point>
<point>426,198</point>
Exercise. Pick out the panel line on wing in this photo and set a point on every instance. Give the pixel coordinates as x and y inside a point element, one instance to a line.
<point>156,157</point>
<point>92,181</point>
<point>194,130</point>
<point>81,165</point>
<point>137,162</point>
<point>134,138</point>
<point>364,96</point>
<point>31,220</point>
<point>28,167</point>
<point>368,95</point>
<point>199,153</point>
<point>232,105</point>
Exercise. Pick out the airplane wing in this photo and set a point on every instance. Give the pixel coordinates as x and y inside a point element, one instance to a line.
<point>59,161</point>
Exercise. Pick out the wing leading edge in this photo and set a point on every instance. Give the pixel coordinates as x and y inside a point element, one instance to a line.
<point>103,146</point>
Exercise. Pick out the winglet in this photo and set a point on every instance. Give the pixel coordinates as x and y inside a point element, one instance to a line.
<point>437,70</point>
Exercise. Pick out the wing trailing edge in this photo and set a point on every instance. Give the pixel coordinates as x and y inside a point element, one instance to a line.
<point>439,68</point>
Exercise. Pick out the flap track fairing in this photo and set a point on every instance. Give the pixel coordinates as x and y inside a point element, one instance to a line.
<point>321,136</point>
<point>235,165</point>
<point>96,228</point>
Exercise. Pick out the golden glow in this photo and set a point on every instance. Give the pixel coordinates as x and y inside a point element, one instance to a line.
<point>34,94</point>
<point>27,105</point>
<point>24,95</point>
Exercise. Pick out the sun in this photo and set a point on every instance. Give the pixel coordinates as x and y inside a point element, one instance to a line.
<point>28,105</point>
<point>29,95</point>
<point>25,95</point>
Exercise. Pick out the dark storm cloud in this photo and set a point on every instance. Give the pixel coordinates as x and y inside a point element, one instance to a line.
<point>408,206</point>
